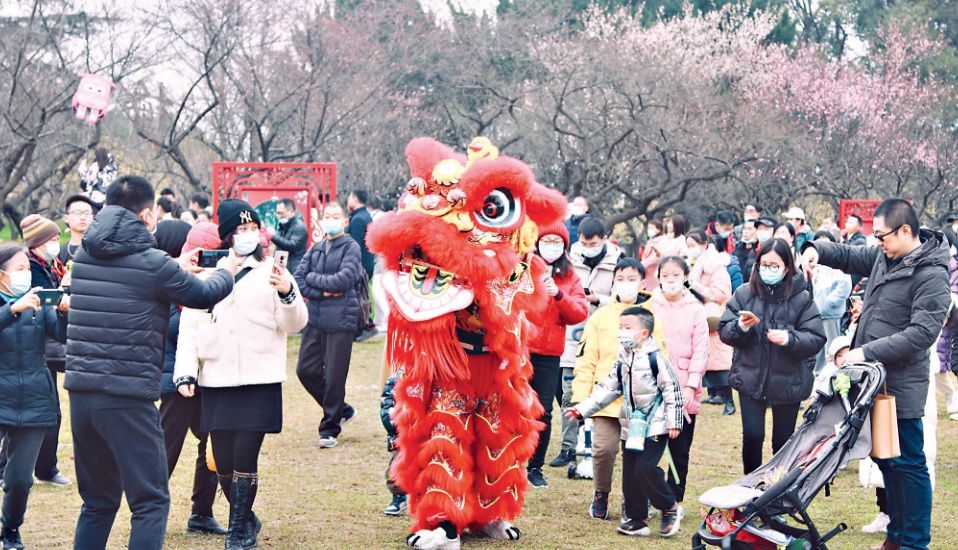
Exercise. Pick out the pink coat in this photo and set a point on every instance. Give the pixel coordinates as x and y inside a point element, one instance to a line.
<point>712,282</point>
<point>686,340</point>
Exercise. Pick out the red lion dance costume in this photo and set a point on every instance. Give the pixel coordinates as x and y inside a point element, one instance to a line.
<point>462,281</point>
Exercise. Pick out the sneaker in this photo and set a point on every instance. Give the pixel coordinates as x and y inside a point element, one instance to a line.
<point>327,442</point>
<point>729,408</point>
<point>367,334</point>
<point>600,506</point>
<point>397,506</point>
<point>564,458</point>
<point>954,416</point>
<point>878,525</point>
<point>347,418</point>
<point>536,479</point>
<point>713,400</point>
<point>204,524</point>
<point>58,480</point>
<point>634,528</point>
<point>671,521</point>
<point>11,539</point>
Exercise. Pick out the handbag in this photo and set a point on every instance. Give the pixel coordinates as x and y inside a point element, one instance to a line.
<point>885,443</point>
<point>638,428</point>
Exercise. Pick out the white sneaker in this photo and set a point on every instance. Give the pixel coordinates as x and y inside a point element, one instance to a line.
<point>434,539</point>
<point>327,442</point>
<point>501,530</point>
<point>878,525</point>
<point>954,416</point>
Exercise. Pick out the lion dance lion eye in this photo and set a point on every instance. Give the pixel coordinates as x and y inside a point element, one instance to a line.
<point>499,209</point>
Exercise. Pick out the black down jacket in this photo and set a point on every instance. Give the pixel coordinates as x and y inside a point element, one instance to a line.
<point>120,307</point>
<point>761,369</point>
<point>27,396</point>
<point>904,310</point>
<point>333,267</point>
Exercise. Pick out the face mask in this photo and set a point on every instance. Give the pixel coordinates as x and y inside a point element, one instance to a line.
<point>331,227</point>
<point>770,276</point>
<point>284,221</point>
<point>652,232</point>
<point>20,283</point>
<point>245,243</point>
<point>725,234</point>
<point>764,236</point>
<point>551,252</point>
<point>694,253</point>
<point>592,252</point>
<point>672,288</point>
<point>749,241</point>
<point>627,339</point>
<point>627,292</point>
<point>51,251</point>
<point>576,211</point>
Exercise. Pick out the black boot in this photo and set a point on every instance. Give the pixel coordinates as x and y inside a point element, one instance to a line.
<point>255,525</point>
<point>729,403</point>
<point>564,457</point>
<point>242,533</point>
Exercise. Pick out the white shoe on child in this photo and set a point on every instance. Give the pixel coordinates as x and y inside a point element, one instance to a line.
<point>878,525</point>
<point>434,539</point>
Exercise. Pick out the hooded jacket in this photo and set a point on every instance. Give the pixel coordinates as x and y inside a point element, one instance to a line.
<point>904,309</point>
<point>687,337</point>
<point>27,395</point>
<point>632,377</point>
<point>761,369</point>
<point>568,307</point>
<point>710,278</point>
<point>600,347</point>
<point>120,307</point>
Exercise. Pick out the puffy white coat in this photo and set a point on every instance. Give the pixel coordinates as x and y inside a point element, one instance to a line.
<point>243,341</point>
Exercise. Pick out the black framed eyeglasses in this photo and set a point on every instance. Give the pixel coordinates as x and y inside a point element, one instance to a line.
<point>881,238</point>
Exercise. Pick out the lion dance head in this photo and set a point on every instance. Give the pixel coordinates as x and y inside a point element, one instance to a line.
<point>458,263</point>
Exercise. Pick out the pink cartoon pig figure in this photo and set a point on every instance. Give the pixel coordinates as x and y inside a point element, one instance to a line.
<point>92,98</point>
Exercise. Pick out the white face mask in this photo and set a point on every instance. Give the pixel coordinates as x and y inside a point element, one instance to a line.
<point>576,210</point>
<point>245,243</point>
<point>695,252</point>
<point>551,252</point>
<point>593,251</point>
<point>672,288</point>
<point>51,250</point>
<point>626,291</point>
<point>20,282</point>
<point>652,232</point>
<point>764,236</point>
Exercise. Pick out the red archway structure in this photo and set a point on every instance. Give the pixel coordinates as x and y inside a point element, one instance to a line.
<point>309,184</point>
<point>864,209</point>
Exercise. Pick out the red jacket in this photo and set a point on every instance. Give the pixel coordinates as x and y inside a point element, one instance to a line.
<point>568,307</point>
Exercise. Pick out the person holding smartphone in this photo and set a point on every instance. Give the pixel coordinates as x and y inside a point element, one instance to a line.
<point>28,401</point>
<point>774,326</point>
<point>236,352</point>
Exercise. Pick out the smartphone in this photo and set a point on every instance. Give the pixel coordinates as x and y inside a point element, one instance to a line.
<point>281,258</point>
<point>747,313</point>
<point>50,297</point>
<point>209,258</point>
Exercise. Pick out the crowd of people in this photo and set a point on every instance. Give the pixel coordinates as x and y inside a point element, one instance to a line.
<point>149,302</point>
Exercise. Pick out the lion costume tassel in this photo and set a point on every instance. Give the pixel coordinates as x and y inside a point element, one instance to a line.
<point>462,283</point>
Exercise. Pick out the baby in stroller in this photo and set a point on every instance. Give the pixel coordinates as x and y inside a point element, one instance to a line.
<point>753,513</point>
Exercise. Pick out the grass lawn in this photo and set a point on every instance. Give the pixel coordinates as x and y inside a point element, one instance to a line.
<point>311,498</point>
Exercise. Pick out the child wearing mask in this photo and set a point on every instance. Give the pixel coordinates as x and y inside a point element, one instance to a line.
<point>651,415</point>
<point>652,253</point>
<point>682,313</point>
<point>597,355</point>
<point>28,401</point>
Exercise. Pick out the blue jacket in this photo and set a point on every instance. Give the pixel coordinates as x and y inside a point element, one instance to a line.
<point>120,307</point>
<point>28,398</point>
<point>735,272</point>
<point>169,354</point>
<point>334,267</point>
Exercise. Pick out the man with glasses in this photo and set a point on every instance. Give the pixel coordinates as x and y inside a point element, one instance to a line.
<point>904,309</point>
<point>79,215</point>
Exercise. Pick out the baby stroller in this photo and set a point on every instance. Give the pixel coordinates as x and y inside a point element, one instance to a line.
<point>754,513</point>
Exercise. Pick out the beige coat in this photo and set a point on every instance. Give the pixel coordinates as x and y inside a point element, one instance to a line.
<point>243,341</point>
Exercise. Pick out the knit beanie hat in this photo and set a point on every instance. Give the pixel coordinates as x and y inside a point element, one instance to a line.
<point>170,236</point>
<point>557,228</point>
<point>38,230</point>
<point>204,235</point>
<point>233,213</point>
